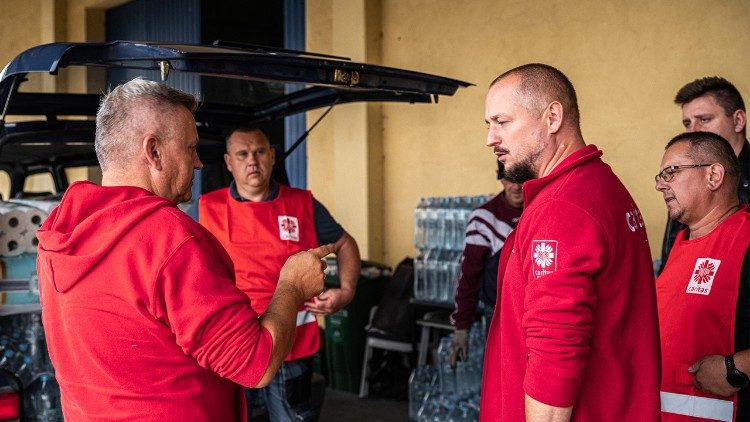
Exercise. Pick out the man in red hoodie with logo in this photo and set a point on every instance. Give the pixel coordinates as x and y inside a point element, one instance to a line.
<point>575,336</point>
<point>704,290</point>
<point>141,315</point>
<point>261,223</point>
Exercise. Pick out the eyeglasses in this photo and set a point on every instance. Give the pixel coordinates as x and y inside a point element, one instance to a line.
<point>668,173</point>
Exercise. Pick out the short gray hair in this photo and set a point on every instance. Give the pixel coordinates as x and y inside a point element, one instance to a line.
<point>117,116</point>
<point>711,148</point>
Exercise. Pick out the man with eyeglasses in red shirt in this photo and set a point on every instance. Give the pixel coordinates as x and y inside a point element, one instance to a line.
<point>702,293</point>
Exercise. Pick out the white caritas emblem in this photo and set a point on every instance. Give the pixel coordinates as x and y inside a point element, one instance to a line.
<point>544,257</point>
<point>288,228</point>
<point>702,277</point>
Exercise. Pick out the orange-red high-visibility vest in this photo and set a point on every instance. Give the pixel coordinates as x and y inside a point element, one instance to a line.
<point>259,237</point>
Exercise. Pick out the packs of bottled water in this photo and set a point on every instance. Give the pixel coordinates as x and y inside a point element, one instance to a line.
<point>42,399</point>
<point>441,393</point>
<point>439,231</point>
<point>23,353</point>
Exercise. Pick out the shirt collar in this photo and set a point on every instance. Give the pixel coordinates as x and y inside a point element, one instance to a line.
<point>272,193</point>
<point>532,188</point>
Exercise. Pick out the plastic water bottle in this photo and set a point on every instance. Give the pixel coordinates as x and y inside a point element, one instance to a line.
<point>419,281</point>
<point>446,267</point>
<point>7,358</point>
<point>451,217</point>
<point>446,373</point>
<point>441,212</point>
<point>431,273</point>
<point>420,385</point>
<point>419,223</point>
<point>44,397</point>
<point>25,371</point>
<point>430,224</point>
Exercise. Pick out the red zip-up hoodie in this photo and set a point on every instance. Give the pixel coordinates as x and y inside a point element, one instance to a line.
<point>141,315</point>
<point>577,323</point>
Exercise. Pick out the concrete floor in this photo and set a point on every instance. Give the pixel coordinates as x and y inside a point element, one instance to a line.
<point>341,406</point>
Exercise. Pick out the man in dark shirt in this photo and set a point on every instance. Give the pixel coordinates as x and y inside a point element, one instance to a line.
<point>488,227</point>
<point>713,104</point>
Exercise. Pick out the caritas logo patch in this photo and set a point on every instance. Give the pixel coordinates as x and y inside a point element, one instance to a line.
<point>544,257</point>
<point>288,228</point>
<point>703,275</point>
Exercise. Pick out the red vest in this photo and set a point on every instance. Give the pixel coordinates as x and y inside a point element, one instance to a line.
<point>259,237</point>
<point>696,295</point>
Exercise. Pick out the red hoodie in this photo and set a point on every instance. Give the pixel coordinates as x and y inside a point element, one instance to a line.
<point>141,315</point>
<point>577,323</point>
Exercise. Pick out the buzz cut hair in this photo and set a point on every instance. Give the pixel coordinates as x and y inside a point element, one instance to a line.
<point>540,85</point>
<point>243,129</point>
<point>120,111</point>
<point>708,147</point>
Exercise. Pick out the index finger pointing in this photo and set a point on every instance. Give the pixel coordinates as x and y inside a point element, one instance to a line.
<point>322,251</point>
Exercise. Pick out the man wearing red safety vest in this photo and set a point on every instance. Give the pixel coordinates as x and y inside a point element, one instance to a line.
<point>703,293</point>
<point>261,223</point>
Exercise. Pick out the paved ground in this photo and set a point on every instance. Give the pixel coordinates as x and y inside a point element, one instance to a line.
<point>340,406</point>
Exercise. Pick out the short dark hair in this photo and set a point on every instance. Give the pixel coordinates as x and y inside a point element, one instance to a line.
<point>710,147</point>
<point>243,129</point>
<point>723,91</point>
<point>542,84</point>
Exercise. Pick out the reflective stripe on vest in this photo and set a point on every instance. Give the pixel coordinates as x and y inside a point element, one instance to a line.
<point>305,317</point>
<point>700,407</point>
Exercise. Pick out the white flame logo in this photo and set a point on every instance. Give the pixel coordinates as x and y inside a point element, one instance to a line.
<point>543,255</point>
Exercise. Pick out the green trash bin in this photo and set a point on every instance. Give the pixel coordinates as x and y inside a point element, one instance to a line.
<point>345,330</point>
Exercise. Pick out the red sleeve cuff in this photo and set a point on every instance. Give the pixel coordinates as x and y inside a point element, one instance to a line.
<point>261,358</point>
<point>546,383</point>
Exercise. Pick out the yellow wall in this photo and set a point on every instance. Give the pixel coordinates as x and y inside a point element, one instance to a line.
<point>626,60</point>
<point>370,163</point>
<point>20,27</point>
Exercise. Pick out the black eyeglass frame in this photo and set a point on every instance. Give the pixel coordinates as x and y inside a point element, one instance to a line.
<point>667,174</point>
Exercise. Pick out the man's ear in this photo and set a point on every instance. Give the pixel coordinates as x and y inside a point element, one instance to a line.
<point>227,162</point>
<point>739,118</point>
<point>716,173</point>
<point>554,117</point>
<point>152,150</point>
<point>273,155</point>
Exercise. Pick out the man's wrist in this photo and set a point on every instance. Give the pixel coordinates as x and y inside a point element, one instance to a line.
<point>735,377</point>
<point>288,288</point>
<point>348,292</point>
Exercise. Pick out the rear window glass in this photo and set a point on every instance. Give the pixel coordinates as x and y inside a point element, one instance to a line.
<point>4,185</point>
<point>76,174</point>
<point>39,183</point>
